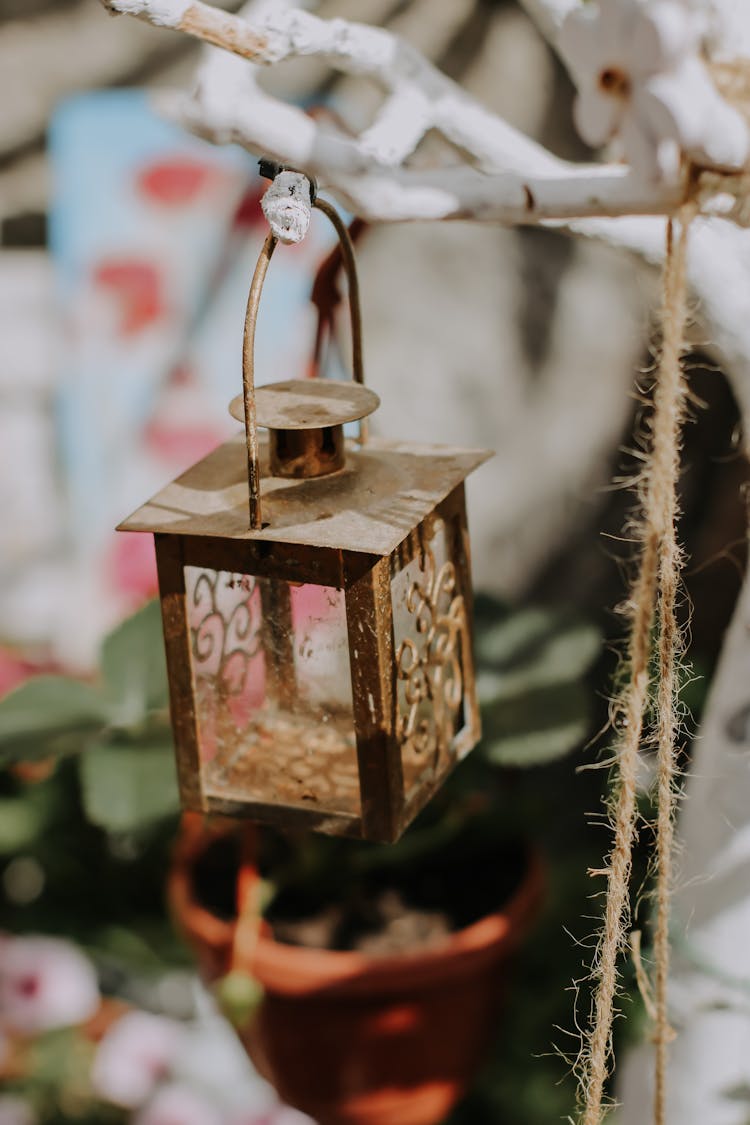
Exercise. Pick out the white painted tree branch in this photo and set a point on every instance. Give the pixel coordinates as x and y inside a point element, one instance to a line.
<point>228,105</point>
<point>513,180</point>
<point>402,122</point>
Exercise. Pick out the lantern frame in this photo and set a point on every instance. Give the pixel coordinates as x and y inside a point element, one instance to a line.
<point>354,530</point>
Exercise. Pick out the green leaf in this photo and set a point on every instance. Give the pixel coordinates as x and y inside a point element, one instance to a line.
<point>21,822</point>
<point>60,1061</point>
<point>122,944</point>
<point>134,667</point>
<point>126,787</point>
<point>536,748</point>
<point>538,727</point>
<point>531,651</point>
<point>568,654</point>
<point>505,641</point>
<point>48,716</point>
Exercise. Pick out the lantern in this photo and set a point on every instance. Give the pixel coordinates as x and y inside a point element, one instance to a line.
<point>318,647</point>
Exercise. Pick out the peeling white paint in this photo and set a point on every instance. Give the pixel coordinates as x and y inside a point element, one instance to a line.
<point>287,207</point>
<point>164,13</point>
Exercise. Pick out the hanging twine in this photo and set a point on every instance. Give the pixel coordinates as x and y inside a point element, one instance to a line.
<point>652,600</point>
<point>666,468</point>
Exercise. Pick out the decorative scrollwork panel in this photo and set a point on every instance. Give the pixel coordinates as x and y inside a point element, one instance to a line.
<point>431,636</point>
<point>225,620</point>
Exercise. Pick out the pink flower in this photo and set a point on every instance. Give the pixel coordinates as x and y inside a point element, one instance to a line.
<point>178,1105</point>
<point>134,1056</point>
<point>15,1111</point>
<point>45,983</point>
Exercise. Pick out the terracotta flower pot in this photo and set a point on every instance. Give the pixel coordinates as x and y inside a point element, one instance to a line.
<point>353,1039</point>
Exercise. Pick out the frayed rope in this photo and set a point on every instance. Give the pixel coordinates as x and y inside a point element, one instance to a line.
<point>652,601</point>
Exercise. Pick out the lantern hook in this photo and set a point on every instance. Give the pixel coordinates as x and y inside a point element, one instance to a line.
<point>248,344</point>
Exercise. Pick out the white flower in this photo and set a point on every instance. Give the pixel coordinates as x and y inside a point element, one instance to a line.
<point>45,983</point>
<point>138,1051</point>
<point>178,1105</point>
<point>279,1115</point>
<point>15,1111</point>
<point>214,1059</point>
<point>285,1115</point>
<point>640,78</point>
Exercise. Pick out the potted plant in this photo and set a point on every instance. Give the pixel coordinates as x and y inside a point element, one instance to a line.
<point>380,970</point>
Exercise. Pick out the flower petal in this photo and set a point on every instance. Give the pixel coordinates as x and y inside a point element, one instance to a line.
<point>641,148</point>
<point>616,23</point>
<point>45,983</point>
<point>597,116</point>
<point>137,1052</point>
<point>580,40</point>
<point>16,1111</point>
<point>665,110</point>
<point>175,1104</point>
<point>668,161</point>
<point>662,35</point>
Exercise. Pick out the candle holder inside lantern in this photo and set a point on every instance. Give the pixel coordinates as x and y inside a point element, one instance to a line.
<point>318,645</point>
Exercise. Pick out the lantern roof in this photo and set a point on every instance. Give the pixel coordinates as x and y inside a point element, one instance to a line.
<point>384,491</point>
<point>306,404</point>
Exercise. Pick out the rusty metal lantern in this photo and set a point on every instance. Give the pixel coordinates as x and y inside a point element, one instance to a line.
<point>319,652</point>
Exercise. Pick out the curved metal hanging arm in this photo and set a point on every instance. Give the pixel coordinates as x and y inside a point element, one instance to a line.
<point>355,308</point>
<point>248,348</point>
<point>248,380</point>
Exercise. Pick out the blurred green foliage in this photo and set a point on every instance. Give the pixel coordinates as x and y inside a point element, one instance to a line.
<point>535,704</point>
<point>100,826</point>
<point>117,726</point>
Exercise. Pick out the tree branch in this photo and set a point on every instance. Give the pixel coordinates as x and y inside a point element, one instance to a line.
<point>513,179</point>
<point>508,178</point>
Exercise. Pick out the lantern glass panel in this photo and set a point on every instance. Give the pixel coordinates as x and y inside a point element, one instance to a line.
<point>430,635</point>
<point>273,693</point>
